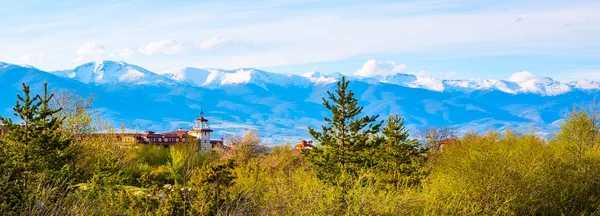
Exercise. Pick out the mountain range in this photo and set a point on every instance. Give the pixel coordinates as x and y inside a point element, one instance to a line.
<point>281,107</point>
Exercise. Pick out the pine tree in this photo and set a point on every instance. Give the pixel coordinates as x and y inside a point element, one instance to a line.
<point>347,141</point>
<point>400,157</point>
<point>35,152</point>
<point>214,183</point>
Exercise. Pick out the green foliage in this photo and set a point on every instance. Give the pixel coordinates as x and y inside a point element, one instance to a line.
<point>214,183</point>
<point>579,133</point>
<point>400,158</point>
<point>153,155</point>
<point>345,142</point>
<point>488,174</point>
<point>350,145</point>
<point>75,110</point>
<point>34,152</point>
<point>185,158</point>
<point>518,175</point>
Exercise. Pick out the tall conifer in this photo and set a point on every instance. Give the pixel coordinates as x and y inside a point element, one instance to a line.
<point>34,151</point>
<point>345,143</point>
<point>400,157</point>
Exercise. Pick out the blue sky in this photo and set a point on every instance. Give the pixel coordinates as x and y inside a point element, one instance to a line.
<point>447,39</point>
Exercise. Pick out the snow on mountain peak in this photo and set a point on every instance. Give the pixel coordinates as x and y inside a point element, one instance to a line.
<point>189,75</point>
<point>4,64</point>
<point>112,72</point>
<point>318,77</point>
<point>478,84</point>
<point>522,82</point>
<point>214,78</point>
<point>430,83</point>
<point>399,78</point>
<point>584,84</point>
<point>238,77</point>
<point>544,86</point>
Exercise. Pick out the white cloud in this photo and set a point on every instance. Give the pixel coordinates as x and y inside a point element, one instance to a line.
<point>121,53</point>
<point>32,57</point>
<point>90,48</point>
<point>521,76</point>
<point>166,46</point>
<point>374,68</point>
<point>222,43</point>
<point>79,59</point>
<point>364,28</point>
<point>90,51</point>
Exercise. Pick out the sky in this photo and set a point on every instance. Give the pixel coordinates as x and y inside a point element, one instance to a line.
<point>448,39</point>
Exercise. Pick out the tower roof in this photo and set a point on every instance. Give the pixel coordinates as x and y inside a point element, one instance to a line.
<point>201,119</point>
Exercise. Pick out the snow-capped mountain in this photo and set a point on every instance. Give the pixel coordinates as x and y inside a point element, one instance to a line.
<point>281,107</point>
<point>111,73</point>
<point>215,78</point>
<point>188,75</point>
<point>584,85</point>
<point>544,86</point>
<point>477,84</point>
<point>407,80</point>
<point>318,77</point>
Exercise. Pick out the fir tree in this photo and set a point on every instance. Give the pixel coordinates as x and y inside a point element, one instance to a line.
<point>346,142</point>
<point>34,151</point>
<point>400,157</point>
<point>214,183</point>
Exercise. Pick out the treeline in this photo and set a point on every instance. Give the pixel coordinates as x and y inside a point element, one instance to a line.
<point>51,164</point>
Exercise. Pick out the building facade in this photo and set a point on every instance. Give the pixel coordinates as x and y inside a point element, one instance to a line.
<point>304,145</point>
<point>200,132</point>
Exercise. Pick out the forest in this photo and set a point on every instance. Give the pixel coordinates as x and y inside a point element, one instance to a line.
<point>53,162</point>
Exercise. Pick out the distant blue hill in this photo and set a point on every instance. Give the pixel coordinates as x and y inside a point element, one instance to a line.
<point>282,107</point>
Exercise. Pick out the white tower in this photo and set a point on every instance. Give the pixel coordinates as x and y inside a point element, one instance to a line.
<point>202,131</point>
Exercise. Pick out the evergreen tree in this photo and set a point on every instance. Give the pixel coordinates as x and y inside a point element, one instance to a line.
<point>400,157</point>
<point>34,152</point>
<point>214,184</point>
<point>346,142</point>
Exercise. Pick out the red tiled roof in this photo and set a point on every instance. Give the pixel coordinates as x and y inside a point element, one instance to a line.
<point>170,135</point>
<point>153,135</point>
<point>180,133</point>
<point>447,141</point>
<point>304,144</point>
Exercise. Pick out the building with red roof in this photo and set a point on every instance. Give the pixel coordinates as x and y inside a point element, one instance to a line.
<point>200,132</point>
<point>304,145</point>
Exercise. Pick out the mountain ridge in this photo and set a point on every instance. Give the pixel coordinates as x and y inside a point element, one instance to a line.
<point>215,78</point>
<point>281,107</point>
